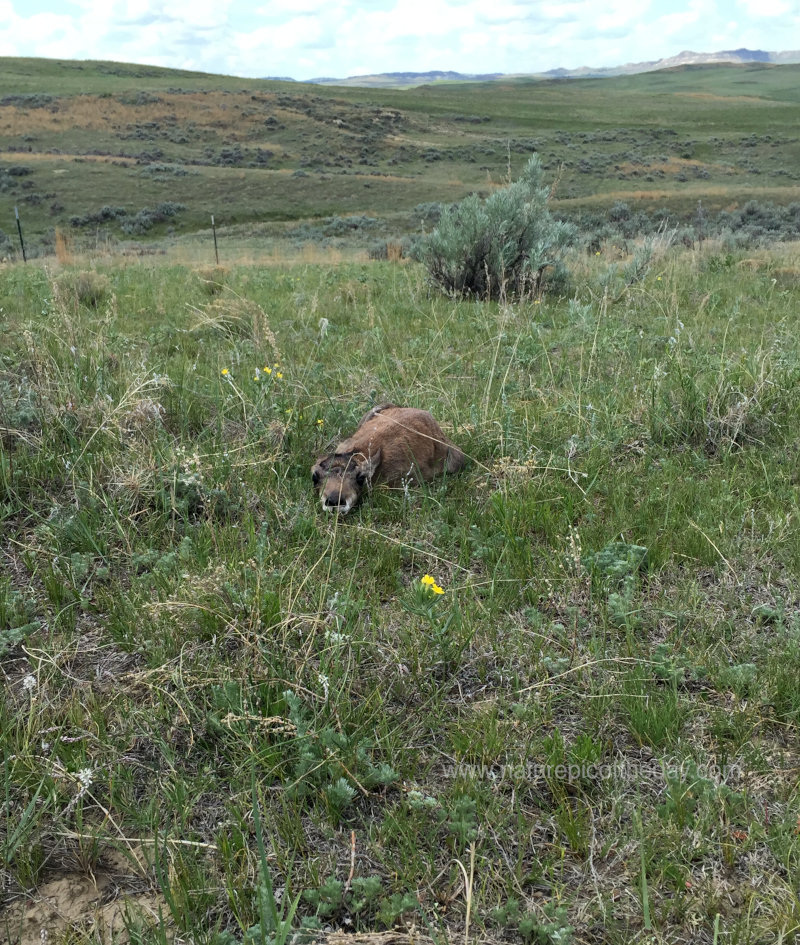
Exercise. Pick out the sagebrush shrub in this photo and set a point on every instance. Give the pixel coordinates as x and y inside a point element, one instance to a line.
<point>500,246</point>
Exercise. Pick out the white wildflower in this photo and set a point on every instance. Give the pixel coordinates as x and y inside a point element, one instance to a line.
<point>29,683</point>
<point>572,446</point>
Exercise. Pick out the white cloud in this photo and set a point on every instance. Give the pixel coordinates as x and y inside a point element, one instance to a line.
<point>299,8</point>
<point>342,37</point>
<point>758,8</point>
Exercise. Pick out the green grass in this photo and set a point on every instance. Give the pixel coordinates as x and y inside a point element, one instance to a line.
<point>80,136</point>
<point>238,714</point>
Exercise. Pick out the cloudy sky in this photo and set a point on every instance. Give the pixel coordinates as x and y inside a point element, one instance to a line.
<point>303,39</point>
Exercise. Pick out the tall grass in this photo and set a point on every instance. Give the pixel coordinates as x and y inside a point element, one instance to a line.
<point>254,719</point>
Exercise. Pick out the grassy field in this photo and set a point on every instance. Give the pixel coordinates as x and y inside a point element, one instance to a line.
<point>226,715</point>
<point>80,137</point>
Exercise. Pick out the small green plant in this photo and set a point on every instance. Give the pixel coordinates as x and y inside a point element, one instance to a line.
<point>552,928</point>
<point>461,820</point>
<point>19,410</point>
<point>621,609</point>
<point>333,898</point>
<point>429,601</point>
<point>675,667</point>
<point>329,761</point>
<point>327,898</point>
<point>615,561</point>
<point>688,790</point>
<point>395,907</point>
<point>17,616</point>
<point>615,570</point>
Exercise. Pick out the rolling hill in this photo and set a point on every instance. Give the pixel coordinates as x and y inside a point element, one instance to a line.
<point>125,152</point>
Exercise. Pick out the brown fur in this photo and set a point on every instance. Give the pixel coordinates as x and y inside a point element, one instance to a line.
<point>392,444</point>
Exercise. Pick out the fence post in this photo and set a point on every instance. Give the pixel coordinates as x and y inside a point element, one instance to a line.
<point>19,230</point>
<point>214,231</point>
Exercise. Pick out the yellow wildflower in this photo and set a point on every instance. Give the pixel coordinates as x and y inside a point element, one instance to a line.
<point>224,372</point>
<point>268,370</point>
<point>428,581</point>
<point>278,374</point>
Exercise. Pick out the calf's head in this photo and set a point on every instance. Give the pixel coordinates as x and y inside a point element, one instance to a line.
<point>341,478</point>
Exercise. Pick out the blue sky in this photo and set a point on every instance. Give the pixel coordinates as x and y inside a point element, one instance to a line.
<point>303,39</point>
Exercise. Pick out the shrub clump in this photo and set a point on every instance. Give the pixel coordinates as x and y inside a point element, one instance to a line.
<point>85,287</point>
<point>164,170</point>
<point>30,100</point>
<point>106,214</point>
<point>134,224</point>
<point>754,224</point>
<point>498,247</point>
<point>148,217</point>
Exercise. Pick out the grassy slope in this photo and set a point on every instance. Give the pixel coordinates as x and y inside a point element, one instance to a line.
<point>721,134</point>
<point>167,578</point>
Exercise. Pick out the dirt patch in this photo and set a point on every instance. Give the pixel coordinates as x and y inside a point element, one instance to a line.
<point>70,900</point>
<point>73,901</point>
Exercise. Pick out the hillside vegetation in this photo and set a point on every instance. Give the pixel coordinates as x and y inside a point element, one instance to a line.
<point>95,149</point>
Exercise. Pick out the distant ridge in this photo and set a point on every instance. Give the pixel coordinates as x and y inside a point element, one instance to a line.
<point>685,58</point>
<point>395,79</point>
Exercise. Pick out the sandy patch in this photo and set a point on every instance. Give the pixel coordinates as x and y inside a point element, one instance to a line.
<point>70,900</point>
